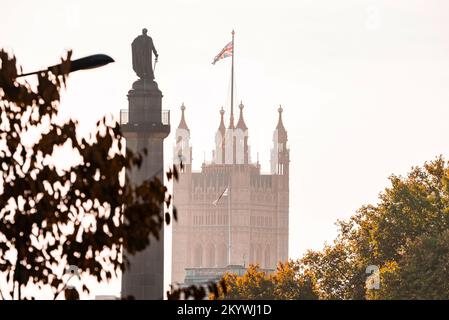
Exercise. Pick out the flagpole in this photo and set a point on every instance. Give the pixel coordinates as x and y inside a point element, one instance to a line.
<point>229,225</point>
<point>231,122</point>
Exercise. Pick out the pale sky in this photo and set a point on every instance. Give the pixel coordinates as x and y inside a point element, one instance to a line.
<point>364,84</point>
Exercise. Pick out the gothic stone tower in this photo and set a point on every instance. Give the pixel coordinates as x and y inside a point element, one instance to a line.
<point>146,127</point>
<point>251,215</point>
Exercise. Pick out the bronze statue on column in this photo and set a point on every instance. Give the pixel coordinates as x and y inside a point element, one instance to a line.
<point>142,54</point>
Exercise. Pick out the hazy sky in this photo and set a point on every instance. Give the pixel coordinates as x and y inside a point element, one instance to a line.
<point>364,84</point>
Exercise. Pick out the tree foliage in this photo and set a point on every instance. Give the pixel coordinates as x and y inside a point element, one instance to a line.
<point>405,235</point>
<point>196,292</point>
<point>82,214</point>
<point>288,282</point>
<point>338,272</point>
<point>421,273</point>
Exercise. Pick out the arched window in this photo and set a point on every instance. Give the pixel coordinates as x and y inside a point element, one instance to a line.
<point>252,258</point>
<point>210,261</point>
<point>222,256</point>
<point>267,257</point>
<point>259,255</point>
<point>198,261</point>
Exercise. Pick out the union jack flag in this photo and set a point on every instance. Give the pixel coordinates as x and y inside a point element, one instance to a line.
<point>227,51</point>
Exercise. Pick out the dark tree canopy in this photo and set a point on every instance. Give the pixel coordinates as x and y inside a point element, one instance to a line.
<point>82,215</point>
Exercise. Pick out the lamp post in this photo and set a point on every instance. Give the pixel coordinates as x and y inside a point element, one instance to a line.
<point>89,62</point>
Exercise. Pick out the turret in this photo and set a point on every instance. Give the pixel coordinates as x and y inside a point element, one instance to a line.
<point>241,133</point>
<point>183,150</point>
<point>280,154</point>
<point>219,154</point>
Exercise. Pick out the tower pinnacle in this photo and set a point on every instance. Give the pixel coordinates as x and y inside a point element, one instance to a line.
<point>222,127</point>
<point>220,141</point>
<point>241,123</point>
<point>182,123</point>
<point>280,154</point>
<point>280,125</point>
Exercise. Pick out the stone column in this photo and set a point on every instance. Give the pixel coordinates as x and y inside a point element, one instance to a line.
<point>147,127</point>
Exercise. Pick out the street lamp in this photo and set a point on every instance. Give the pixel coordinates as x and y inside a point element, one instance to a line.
<point>89,62</point>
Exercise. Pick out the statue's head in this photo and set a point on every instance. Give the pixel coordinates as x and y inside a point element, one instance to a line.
<point>144,31</point>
